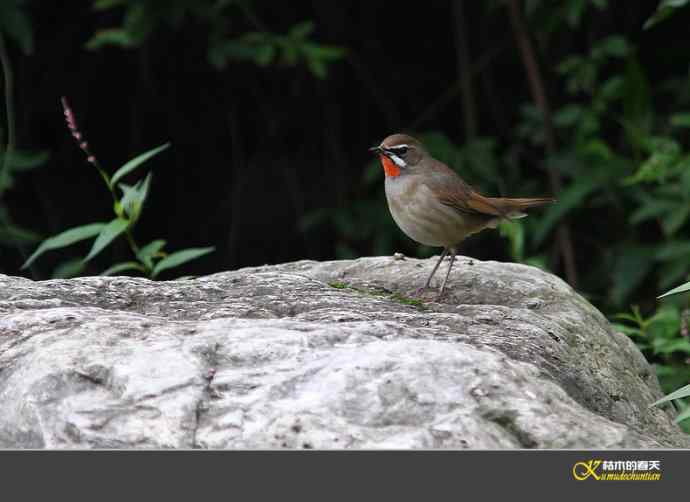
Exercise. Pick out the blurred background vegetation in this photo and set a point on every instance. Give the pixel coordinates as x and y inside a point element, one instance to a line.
<point>270,107</point>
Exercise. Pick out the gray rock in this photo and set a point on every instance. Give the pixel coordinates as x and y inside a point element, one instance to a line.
<point>321,355</point>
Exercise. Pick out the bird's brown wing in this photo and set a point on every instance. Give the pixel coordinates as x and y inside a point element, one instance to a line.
<point>452,191</point>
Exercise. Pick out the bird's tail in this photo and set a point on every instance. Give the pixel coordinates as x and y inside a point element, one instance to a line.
<point>515,208</point>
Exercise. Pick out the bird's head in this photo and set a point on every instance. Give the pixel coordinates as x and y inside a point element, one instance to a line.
<point>398,153</point>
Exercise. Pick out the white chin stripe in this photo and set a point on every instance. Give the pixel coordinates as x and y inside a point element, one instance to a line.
<point>398,161</point>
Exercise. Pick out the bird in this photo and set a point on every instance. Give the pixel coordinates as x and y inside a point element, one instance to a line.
<point>433,205</point>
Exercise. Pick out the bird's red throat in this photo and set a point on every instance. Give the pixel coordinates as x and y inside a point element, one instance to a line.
<point>389,166</point>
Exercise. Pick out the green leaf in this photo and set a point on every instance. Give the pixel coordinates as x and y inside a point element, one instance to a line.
<point>107,4</point>
<point>67,269</point>
<point>290,52</point>
<point>569,65</point>
<point>663,11</point>
<point>106,236</point>
<point>11,234</point>
<point>515,233</point>
<point>22,160</point>
<point>626,317</point>
<point>651,208</point>
<point>302,30</point>
<point>630,269</point>
<point>114,36</point>
<point>121,267</point>
<point>680,289</point>
<point>664,325</point>
<point>325,53</point>
<point>674,221</point>
<point>568,199</point>
<point>134,197</point>
<point>626,330</point>
<point>680,119</point>
<point>65,239</point>
<point>613,88</point>
<point>615,45</point>
<point>596,150</point>
<point>567,115</point>
<point>683,415</point>
<point>254,46</point>
<point>637,99</point>
<point>264,55</point>
<point>17,25</point>
<point>673,272</point>
<point>665,155</point>
<point>664,347</point>
<point>6,180</point>
<point>672,250</point>
<point>179,257</point>
<point>136,162</point>
<point>146,253</point>
<point>574,11</point>
<point>317,68</point>
<point>138,22</point>
<point>678,394</point>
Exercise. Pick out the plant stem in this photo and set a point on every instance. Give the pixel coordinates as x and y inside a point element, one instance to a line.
<point>91,159</point>
<point>9,102</point>
<point>536,84</point>
<point>128,233</point>
<point>132,242</point>
<point>9,149</point>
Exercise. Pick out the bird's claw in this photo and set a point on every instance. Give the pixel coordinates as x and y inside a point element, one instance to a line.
<point>420,291</point>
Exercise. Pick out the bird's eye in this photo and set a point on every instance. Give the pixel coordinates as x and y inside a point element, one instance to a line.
<point>401,150</point>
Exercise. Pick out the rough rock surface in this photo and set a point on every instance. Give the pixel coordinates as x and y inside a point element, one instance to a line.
<point>321,355</point>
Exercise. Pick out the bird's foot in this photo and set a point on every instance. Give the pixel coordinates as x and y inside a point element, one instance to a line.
<point>420,291</point>
<point>441,293</point>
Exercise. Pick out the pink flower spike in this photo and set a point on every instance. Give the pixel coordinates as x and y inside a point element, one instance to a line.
<point>76,134</point>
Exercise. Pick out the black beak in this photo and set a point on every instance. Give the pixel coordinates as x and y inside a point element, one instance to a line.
<point>376,149</point>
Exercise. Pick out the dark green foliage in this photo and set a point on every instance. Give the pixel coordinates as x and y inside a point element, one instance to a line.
<point>143,17</point>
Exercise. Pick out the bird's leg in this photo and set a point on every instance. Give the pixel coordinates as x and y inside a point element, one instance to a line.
<point>428,281</point>
<point>443,255</point>
<point>450,266</point>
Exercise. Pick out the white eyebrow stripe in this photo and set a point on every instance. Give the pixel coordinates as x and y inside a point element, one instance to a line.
<point>397,147</point>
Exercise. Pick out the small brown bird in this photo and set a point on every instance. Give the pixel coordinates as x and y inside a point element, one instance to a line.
<point>433,205</point>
